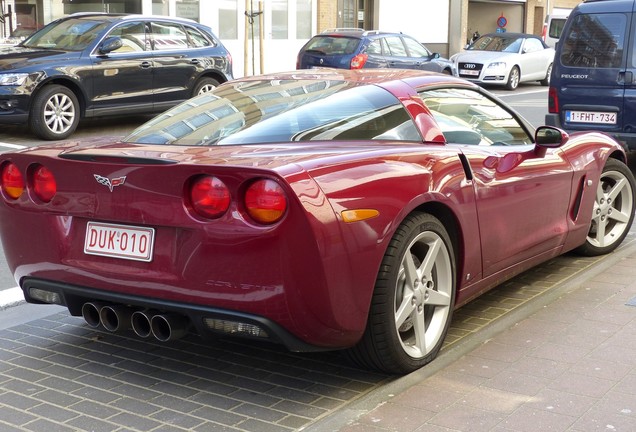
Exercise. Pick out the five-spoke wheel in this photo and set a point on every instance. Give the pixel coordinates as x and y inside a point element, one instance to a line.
<point>413,300</point>
<point>613,211</point>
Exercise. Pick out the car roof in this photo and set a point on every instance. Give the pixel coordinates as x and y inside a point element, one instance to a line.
<point>378,76</point>
<point>512,35</point>
<point>354,32</point>
<point>127,17</point>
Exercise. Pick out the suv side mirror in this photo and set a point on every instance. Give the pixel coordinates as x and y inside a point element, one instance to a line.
<point>111,44</point>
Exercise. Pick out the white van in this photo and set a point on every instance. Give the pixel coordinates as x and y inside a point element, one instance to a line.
<point>552,29</point>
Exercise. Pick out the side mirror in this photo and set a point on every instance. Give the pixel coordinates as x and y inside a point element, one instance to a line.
<point>111,44</point>
<point>548,137</point>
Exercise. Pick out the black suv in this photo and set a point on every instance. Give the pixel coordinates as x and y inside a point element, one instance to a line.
<point>88,65</point>
<point>353,48</point>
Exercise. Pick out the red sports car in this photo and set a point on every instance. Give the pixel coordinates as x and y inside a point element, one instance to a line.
<point>320,209</point>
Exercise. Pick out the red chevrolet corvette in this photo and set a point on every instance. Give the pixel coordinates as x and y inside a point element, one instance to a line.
<point>320,209</point>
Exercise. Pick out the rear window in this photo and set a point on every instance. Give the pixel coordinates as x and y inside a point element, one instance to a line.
<point>257,112</point>
<point>594,41</point>
<point>333,45</point>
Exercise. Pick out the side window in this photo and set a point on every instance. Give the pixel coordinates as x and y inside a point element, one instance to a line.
<point>168,36</point>
<point>197,39</point>
<point>468,117</point>
<point>533,45</point>
<point>595,40</point>
<point>375,47</point>
<point>133,37</point>
<point>415,49</point>
<point>396,46</point>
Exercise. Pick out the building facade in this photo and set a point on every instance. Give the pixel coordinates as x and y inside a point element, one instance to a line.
<point>265,35</point>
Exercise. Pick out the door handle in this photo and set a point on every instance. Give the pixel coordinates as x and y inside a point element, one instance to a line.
<point>195,61</point>
<point>145,65</point>
<point>625,77</point>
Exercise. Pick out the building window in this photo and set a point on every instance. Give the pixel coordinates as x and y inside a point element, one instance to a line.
<point>160,7</point>
<point>280,25</point>
<point>188,9</point>
<point>303,19</point>
<point>228,18</point>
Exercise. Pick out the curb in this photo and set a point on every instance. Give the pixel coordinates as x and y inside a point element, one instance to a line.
<point>11,297</point>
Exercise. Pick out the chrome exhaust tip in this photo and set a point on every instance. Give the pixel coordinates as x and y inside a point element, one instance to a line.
<point>140,322</point>
<point>169,327</point>
<point>90,313</point>
<point>115,318</point>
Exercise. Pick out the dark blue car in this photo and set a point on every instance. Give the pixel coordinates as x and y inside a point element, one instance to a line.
<point>593,84</point>
<point>357,49</point>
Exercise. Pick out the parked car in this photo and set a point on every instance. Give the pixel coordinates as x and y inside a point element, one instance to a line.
<point>89,65</point>
<point>322,209</point>
<point>505,59</point>
<point>593,79</point>
<point>357,49</point>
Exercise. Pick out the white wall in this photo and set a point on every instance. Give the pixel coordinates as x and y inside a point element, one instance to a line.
<point>426,21</point>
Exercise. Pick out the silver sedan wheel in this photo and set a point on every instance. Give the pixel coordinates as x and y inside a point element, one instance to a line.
<point>59,113</point>
<point>612,209</point>
<point>423,295</point>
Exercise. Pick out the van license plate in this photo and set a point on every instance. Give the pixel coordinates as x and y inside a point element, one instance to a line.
<point>119,241</point>
<point>590,117</point>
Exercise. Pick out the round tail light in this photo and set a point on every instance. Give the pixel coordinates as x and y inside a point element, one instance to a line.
<point>44,185</point>
<point>358,61</point>
<point>209,197</point>
<point>12,181</point>
<point>265,201</point>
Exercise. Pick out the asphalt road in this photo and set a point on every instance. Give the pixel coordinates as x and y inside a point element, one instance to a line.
<point>529,99</point>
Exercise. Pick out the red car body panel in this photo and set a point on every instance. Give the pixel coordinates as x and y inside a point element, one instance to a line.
<point>312,273</point>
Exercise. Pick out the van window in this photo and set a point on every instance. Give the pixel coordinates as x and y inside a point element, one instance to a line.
<point>595,40</point>
<point>556,27</point>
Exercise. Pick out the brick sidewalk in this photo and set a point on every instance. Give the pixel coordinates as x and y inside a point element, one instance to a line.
<point>570,366</point>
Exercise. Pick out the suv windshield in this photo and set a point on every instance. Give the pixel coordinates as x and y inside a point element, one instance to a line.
<point>72,34</point>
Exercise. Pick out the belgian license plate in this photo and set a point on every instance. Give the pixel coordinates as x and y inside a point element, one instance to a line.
<point>119,241</point>
<point>469,72</point>
<point>590,117</point>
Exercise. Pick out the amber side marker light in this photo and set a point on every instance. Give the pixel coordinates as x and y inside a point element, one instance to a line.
<point>12,180</point>
<point>359,215</point>
<point>265,201</point>
<point>44,184</point>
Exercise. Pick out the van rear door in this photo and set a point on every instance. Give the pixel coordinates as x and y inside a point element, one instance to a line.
<point>590,79</point>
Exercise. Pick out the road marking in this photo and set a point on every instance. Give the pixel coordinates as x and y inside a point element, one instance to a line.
<point>11,297</point>
<point>13,146</point>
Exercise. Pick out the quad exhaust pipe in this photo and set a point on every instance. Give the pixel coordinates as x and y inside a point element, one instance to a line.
<point>145,323</point>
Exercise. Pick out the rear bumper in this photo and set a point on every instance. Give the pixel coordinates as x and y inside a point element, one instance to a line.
<point>200,317</point>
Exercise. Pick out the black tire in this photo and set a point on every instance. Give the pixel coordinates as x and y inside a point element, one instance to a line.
<point>546,81</point>
<point>55,113</point>
<point>391,342</point>
<point>513,78</point>
<point>613,211</point>
<point>204,85</point>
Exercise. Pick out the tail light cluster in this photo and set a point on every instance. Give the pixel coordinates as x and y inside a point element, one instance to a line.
<point>358,61</point>
<point>38,180</point>
<point>264,200</point>
<point>553,100</point>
